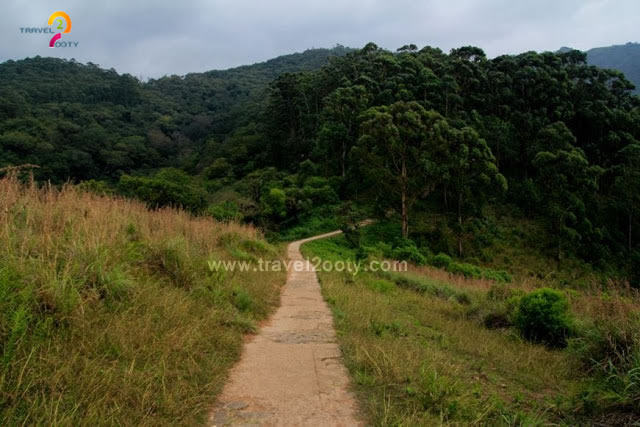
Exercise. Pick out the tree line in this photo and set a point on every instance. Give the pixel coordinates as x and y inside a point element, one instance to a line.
<point>401,133</point>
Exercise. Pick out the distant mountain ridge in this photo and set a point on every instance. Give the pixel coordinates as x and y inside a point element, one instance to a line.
<point>624,58</point>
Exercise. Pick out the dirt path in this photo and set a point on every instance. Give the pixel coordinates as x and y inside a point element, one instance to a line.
<point>291,373</point>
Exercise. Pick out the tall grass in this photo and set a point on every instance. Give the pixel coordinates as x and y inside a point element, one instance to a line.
<point>109,312</point>
<point>415,341</point>
<point>417,358</point>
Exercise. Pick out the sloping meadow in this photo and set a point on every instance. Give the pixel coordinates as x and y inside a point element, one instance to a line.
<point>111,313</point>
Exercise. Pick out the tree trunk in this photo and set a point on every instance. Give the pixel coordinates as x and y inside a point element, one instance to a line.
<point>460,225</point>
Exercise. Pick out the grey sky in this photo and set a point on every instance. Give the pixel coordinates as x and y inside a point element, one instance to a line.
<point>151,38</point>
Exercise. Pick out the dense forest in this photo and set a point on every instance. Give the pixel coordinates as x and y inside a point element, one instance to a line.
<point>400,135</point>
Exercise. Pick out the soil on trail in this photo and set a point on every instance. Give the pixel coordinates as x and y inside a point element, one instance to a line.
<point>291,373</point>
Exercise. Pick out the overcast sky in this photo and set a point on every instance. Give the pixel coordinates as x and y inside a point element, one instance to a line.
<point>151,38</point>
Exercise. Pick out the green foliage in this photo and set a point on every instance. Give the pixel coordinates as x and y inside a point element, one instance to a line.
<point>404,134</point>
<point>542,316</point>
<point>402,149</point>
<point>274,203</point>
<point>469,270</point>
<point>227,211</point>
<point>609,349</point>
<point>168,187</point>
<point>441,261</point>
<point>242,300</point>
<point>408,252</point>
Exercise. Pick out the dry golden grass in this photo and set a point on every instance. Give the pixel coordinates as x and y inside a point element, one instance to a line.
<point>109,313</point>
<point>457,280</point>
<point>47,212</point>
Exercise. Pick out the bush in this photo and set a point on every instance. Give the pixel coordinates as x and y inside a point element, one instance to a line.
<point>409,253</point>
<point>499,276</point>
<point>441,261</point>
<point>469,271</point>
<point>169,187</point>
<point>275,203</point>
<point>542,316</point>
<point>227,211</point>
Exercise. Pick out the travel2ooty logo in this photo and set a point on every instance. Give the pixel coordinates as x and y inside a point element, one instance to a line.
<point>59,23</point>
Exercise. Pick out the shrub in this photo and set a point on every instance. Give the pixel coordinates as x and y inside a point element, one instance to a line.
<point>227,211</point>
<point>542,316</point>
<point>441,261</point>
<point>467,270</point>
<point>499,276</point>
<point>169,187</point>
<point>409,253</point>
<point>258,247</point>
<point>275,203</point>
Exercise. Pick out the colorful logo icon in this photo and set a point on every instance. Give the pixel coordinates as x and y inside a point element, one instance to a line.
<point>57,19</point>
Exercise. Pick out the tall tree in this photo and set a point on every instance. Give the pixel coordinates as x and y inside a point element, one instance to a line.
<point>566,178</point>
<point>404,148</point>
<point>472,175</point>
<point>627,187</point>
<point>339,129</point>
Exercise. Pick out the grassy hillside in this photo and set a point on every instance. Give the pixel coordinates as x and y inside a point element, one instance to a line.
<point>430,347</point>
<point>109,312</point>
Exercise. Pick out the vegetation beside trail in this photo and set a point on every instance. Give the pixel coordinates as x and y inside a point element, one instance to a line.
<point>511,185</point>
<point>109,312</point>
<point>429,347</point>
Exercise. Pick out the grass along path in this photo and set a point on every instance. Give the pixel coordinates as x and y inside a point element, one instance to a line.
<point>291,373</point>
<point>109,313</point>
<point>415,359</point>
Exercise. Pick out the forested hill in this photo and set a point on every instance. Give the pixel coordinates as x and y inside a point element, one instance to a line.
<point>415,132</point>
<point>81,121</point>
<point>237,94</point>
<point>624,58</point>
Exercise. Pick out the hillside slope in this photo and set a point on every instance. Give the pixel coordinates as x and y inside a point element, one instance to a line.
<point>85,122</point>
<point>111,313</point>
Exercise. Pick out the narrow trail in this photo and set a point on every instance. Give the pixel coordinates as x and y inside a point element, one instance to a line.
<point>291,373</point>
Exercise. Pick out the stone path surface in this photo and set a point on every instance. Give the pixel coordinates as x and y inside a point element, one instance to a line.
<point>291,373</point>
